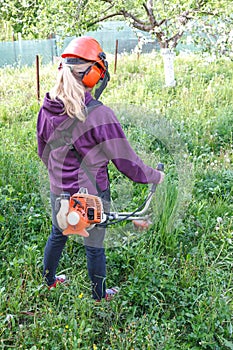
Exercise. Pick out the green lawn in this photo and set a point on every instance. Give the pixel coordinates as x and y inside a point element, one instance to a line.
<point>176,278</point>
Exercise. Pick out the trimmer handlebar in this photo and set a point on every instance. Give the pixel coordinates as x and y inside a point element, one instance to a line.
<point>160,167</point>
<point>136,214</point>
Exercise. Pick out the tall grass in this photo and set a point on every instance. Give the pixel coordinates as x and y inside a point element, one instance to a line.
<point>176,278</point>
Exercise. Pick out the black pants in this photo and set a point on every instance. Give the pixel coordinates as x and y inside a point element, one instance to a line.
<point>95,252</point>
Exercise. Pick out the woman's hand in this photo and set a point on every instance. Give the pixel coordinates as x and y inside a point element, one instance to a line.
<point>162,175</point>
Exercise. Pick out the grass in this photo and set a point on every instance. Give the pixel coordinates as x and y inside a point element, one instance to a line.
<point>176,278</point>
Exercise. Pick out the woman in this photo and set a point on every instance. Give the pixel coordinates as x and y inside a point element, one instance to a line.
<point>98,137</point>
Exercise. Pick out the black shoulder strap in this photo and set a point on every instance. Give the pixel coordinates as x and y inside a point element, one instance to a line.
<point>93,104</point>
<point>65,139</point>
<point>64,130</point>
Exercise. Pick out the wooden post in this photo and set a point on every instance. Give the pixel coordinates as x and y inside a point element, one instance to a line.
<point>14,48</point>
<point>116,52</point>
<point>38,78</point>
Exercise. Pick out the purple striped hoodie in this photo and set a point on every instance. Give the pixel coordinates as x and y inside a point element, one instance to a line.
<point>99,140</point>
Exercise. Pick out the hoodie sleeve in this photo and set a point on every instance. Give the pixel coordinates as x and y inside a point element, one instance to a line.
<point>42,147</point>
<point>119,151</point>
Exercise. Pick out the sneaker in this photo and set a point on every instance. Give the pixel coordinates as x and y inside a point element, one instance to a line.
<point>59,279</point>
<point>111,292</point>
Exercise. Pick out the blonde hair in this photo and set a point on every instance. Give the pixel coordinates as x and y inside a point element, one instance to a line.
<point>70,90</point>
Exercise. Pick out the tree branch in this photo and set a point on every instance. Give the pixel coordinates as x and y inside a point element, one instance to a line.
<point>136,22</point>
<point>174,39</point>
<point>139,24</point>
<point>162,22</point>
<point>135,19</point>
<point>102,19</point>
<point>148,6</point>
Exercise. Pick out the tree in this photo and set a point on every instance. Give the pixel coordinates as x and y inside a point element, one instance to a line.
<point>208,21</point>
<point>21,16</point>
<point>40,18</point>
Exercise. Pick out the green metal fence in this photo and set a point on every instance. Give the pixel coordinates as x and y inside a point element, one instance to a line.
<point>23,52</point>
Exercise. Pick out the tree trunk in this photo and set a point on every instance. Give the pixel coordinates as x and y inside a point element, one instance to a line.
<point>168,61</point>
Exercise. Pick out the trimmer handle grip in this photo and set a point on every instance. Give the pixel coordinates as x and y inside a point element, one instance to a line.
<point>160,167</point>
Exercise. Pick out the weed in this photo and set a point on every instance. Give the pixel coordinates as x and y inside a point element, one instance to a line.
<point>176,278</point>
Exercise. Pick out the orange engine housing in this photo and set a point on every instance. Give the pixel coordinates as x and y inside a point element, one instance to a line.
<point>84,210</point>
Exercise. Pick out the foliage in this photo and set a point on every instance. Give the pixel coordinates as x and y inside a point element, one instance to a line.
<point>208,22</point>
<point>21,15</point>
<point>176,284</point>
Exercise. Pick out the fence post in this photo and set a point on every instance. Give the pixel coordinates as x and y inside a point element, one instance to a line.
<point>38,78</point>
<point>14,48</point>
<point>116,52</point>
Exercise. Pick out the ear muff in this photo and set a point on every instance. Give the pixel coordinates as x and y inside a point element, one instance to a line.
<point>92,75</point>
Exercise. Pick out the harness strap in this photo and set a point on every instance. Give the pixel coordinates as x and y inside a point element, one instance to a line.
<point>85,168</point>
<point>65,139</point>
<point>65,134</point>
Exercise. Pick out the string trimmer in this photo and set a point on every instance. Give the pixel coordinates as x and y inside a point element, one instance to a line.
<point>82,211</point>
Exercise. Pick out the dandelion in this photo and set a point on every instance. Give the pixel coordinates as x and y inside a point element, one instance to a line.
<point>67,327</point>
<point>80,295</point>
<point>219,220</point>
<point>94,347</point>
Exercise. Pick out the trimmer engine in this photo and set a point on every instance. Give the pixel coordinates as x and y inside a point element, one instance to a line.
<point>79,212</point>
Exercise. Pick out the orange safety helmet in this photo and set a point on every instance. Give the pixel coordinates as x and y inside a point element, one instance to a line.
<point>88,49</point>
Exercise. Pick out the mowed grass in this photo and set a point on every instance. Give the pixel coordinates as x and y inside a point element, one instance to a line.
<point>176,278</point>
